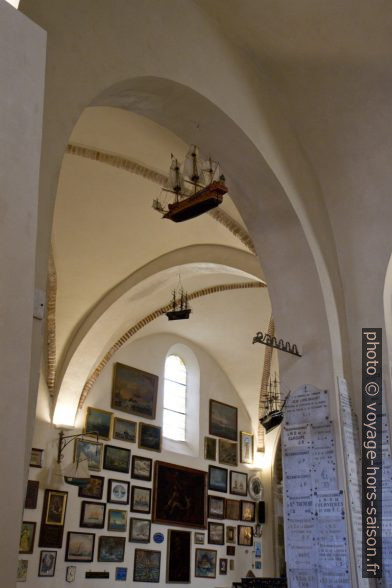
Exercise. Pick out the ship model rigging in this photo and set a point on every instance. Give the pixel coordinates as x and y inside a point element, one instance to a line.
<point>195,188</point>
<point>179,305</point>
<point>273,407</point>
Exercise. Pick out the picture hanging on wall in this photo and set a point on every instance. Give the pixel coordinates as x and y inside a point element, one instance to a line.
<point>150,437</point>
<point>121,574</point>
<point>141,468</point>
<point>230,549</point>
<point>245,535</point>
<point>246,447</point>
<point>134,391</point>
<point>210,448</point>
<point>180,495</point>
<point>230,535</point>
<point>178,567</point>
<point>116,459</point>
<point>36,458</point>
<point>55,508</point>
<point>205,563</point>
<point>47,563</point>
<point>227,451</point>
<point>53,511</point>
<point>124,430</point>
<point>118,491</point>
<point>27,534</point>
<point>139,530</point>
<point>141,499</point>
<point>80,546</point>
<point>90,450</point>
<point>147,566</point>
<point>223,420</point>
<point>117,520</point>
<point>21,571</point>
<point>223,566</point>
<point>94,488</point>
<point>111,548</point>
<point>31,494</point>
<point>238,483</point>
<point>216,507</point>
<point>233,509</point>
<point>92,514</point>
<point>216,533</point>
<point>98,422</point>
<point>217,479</point>
<point>248,511</point>
<point>199,538</point>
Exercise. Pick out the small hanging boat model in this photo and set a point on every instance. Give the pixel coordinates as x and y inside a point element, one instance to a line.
<point>206,188</point>
<point>273,406</point>
<point>179,306</point>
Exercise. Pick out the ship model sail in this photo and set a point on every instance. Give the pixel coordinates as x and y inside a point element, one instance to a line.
<point>273,407</point>
<point>196,188</point>
<point>179,306</point>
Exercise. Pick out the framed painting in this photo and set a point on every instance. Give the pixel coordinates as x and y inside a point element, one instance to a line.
<point>90,450</point>
<point>232,565</point>
<point>146,566</point>
<point>92,514</point>
<point>111,548</point>
<point>31,494</point>
<point>55,509</point>
<point>47,564</point>
<point>222,566</point>
<point>80,546</point>
<point>246,447</point>
<point>178,566</point>
<point>216,507</point>
<point>238,483</point>
<point>248,511</point>
<point>210,448</point>
<point>217,478</point>
<point>141,499</point>
<point>21,570</point>
<point>27,534</point>
<point>139,530</point>
<point>199,538</point>
<point>216,533</point>
<point>233,509</point>
<point>227,451</point>
<point>180,496</point>
<point>36,458</point>
<point>223,420</point>
<point>94,488</point>
<point>117,520</point>
<point>116,459</point>
<point>134,391</point>
<point>118,491</point>
<point>230,535</point>
<point>205,563</point>
<point>230,549</point>
<point>98,422</point>
<point>245,535</point>
<point>121,574</point>
<point>124,430</point>
<point>150,437</point>
<point>141,468</point>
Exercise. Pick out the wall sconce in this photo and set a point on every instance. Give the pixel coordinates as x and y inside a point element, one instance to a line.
<point>76,473</point>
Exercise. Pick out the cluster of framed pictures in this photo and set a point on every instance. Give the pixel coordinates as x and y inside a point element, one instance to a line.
<point>226,508</point>
<point>216,534</point>
<point>218,481</point>
<point>223,424</point>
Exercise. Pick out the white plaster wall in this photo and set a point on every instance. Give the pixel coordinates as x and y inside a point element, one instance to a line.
<point>147,353</point>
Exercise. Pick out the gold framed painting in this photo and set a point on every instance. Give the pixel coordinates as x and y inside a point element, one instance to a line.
<point>246,447</point>
<point>98,422</point>
<point>55,509</point>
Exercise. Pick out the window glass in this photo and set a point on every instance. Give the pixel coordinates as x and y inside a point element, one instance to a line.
<point>174,399</point>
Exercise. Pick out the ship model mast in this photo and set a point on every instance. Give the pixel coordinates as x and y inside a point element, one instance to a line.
<point>205,192</point>
<point>273,406</point>
<point>179,305</point>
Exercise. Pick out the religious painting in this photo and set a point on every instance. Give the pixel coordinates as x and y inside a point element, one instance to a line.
<point>55,509</point>
<point>47,564</point>
<point>36,459</point>
<point>116,459</point>
<point>98,423</point>
<point>147,566</point>
<point>245,535</point>
<point>80,546</point>
<point>53,518</point>
<point>216,507</point>
<point>246,447</point>
<point>230,534</point>
<point>216,533</point>
<point>124,430</point>
<point>248,511</point>
<point>227,451</point>
<point>21,571</point>
<point>90,450</point>
<point>141,468</point>
<point>27,534</point>
<point>92,514</point>
<point>117,520</point>
<point>31,494</point>
<point>111,548</point>
<point>139,530</point>
<point>238,483</point>
<point>233,509</point>
<point>178,567</point>
<point>217,479</point>
<point>150,437</point>
<point>179,496</point>
<point>118,491</point>
<point>223,420</point>
<point>141,499</point>
<point>199,538</point>
<point>210,448</point>
<point>222,566</point>
<point>134,391</point>
<point>94,488</point>
<point>205,563</point>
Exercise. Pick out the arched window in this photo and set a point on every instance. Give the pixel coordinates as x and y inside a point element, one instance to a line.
<point>174,399</point>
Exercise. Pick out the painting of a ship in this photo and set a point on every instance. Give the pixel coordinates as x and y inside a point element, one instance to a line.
<point>196,187</point>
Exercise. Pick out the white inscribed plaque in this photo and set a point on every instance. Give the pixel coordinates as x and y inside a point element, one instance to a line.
<point>322,435</point>
<point>299,508</point>
<point>301,532</point>
<point>328,579</point>
<point>296,436</point>
<point>331,531</point>
<point>296,461</point>
<point>324,469</point>
<point>333,556</point>
<point>303,579</point>
<point>297,485</point>
<point>299,556</point>
<point>329,504</point>
<point>307,405</point>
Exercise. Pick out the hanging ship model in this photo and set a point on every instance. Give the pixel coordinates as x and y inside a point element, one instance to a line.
<point>196,188</point>
<point>273,407</point>
<point>179,306</point>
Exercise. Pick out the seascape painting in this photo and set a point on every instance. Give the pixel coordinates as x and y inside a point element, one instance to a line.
<point>223,420</point>
<point>134,391</point>
<point>205,563</point>
<point>147,565</point>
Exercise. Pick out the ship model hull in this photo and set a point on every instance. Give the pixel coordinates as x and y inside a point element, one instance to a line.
<point>195,205</point>
<point>272,420</point>
<point>178,315</point>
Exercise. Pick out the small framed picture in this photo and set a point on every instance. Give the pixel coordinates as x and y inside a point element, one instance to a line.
<point>125,430</point>
<point>92,514</point>
<point>223,420</point>
<point>111,548</point>
<point>257,549</point>
<point>47,563</point>
<point>230,535</point>
<point>56,505</point>
<point>139,530</point>
<point>36,459</point>
<point>232,565</point>
<point>121,574</point>
<point>216,507</point>
<point>116,459</point>
<point>90,450</point>
<point>248,511</point>
<point>227,451</point>
<point>141,499</point>
<point>117,520</point>
<point>146,566</point>
<point>233,509</point>
<point>258,565</point>
<point>27,534</point>
<point>246,447</point>
<point>223,566</point>
<point>245,535</point>
<point>178,564</point>
<point>21,571</point>
<point>199,538</point>
<point>217,479</point>
<point>205,563</point>
<point>98,422</point>
<point>210,448</point>
<point>80,546</point>
<point>118,491</point>
<point>94,488</point>
<point>150,437</point>
<point>141,468</point>
<point>238,483</point>
<point>31,494</point>
<point>216,533</point>
<point>230,549</point>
